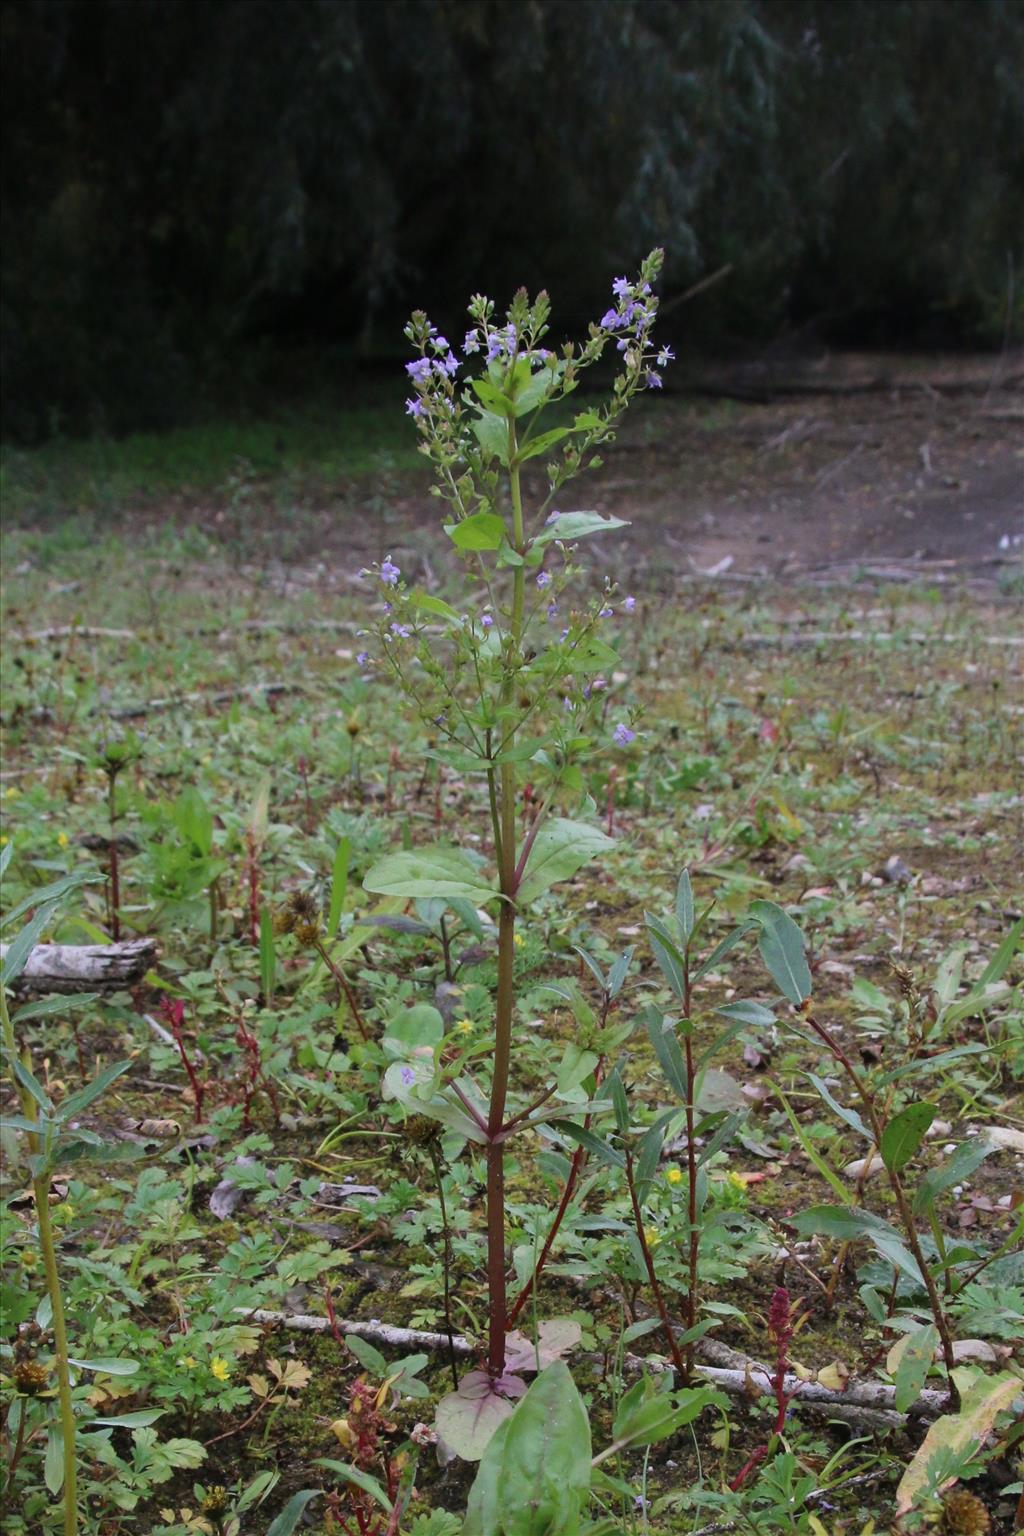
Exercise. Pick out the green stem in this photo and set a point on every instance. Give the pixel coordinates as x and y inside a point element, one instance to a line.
<point>41,1190</point>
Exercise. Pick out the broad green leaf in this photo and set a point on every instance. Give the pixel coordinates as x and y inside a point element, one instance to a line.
<point>76,1102</point>
<point>668,954</point>
<point>369,1357</point>
<point>435,605</point>
<point>544,1478</point>
<point>6,855</point>
<point>848,1224</point>
<point>468,1418</point>
<point>138,1420</point>
<point>491,432</point>
<point>849,1116</point>
<point>999,963</point>
<point>957,1167</point>
<point>649,1413</point>
<point>909,1361</point>
<point>194,820</point>
<point>576,1065</point>
<point>560,848</point>
<point>363,1480</point>
<point>494,399</point>
<point>46,1007</point>
<point>590,1142</point>
<point>28,1080</point>
<point>662,1036</point>
<point>983,1398</point>
<point>569,526</point>
<point>540,444</point>
<point>756,1015</point>
<point>684,905</point>
<point>721,949</point>
<point>718,1090</point>
<point>412,1028</point>
<point>905,1133</point>
<point>782,949</point>
<point>110,1367</point>
<point>292,1513</point>
<point>535,391</point>
<point>483,1512</point>
<point>339,886</point>
<point>53,1461</point>
<point>15,956</point>
<point>46,895</point>
<point>433,871</point>
<point>483,530</point>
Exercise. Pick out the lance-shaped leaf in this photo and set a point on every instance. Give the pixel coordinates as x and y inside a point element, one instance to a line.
<point>847,1224</point>
<point>782,949</point>
<point>905,1133</point>
<point>425,872</point>
<point>560,848</point>
<point>569,526</point>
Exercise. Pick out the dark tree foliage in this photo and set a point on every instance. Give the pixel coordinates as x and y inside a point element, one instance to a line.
<point>183,178</point>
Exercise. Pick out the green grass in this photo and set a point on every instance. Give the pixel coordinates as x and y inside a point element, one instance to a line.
<point>321,441</point>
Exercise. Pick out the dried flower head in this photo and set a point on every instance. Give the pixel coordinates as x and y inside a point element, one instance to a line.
<point>31,1376</point>
<point>216,1501</point>
<point>963,1514</point>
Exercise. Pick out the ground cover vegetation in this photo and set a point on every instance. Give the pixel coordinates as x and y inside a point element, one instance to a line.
<point>570,1078</point>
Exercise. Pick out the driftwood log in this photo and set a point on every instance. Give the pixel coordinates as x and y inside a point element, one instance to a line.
<point>85,967</point>
<point>867,1403</point>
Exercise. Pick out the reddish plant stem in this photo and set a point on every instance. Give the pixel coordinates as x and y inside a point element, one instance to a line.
<point>253,876</point>
<point>115,867</point>
<point>659,1300</point>
<point>343,982</point>
<point>867,1099</point>
<point>691,1175</point>
<point>175,1015</point>
<point>332,1316</point>
<point>579,1159</point>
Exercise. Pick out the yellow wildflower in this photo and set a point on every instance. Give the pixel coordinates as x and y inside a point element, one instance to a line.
<point>519,941</point>
<point>62,840</point>
<point>12,792</point>
<point>737,1181</point>
<point>189,1362</point>
<point>652,1236</point>
<point>220,1368</point>
<point>465,1026</point>
<point>674,1175</point>
<point>4,840</point>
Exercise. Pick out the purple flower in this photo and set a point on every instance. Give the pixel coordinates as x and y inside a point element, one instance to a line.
<point>440,344</point>
<point>623,735</point>
<point>552,517</point>
<point>419,370</point>
<point>666,356</point>
<point>493,348</point>
<point>408,1076</point>
<point>598,684</point>
<point>486,621</point>
<point>448,365</point>
<point>653,379</point>
<point>552,611</point>
<point>471,343</point>
<point>620,287</point>
<point>629,604</point>
<point>543,579</point>
<point>606,612</point>
<point>414,407</point>
<point>611,319</point>
<point>401,630</point>
<point>389,572</point>
<point>363,657</point>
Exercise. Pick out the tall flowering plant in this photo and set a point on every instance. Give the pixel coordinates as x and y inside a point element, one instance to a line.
<point>510,681</point>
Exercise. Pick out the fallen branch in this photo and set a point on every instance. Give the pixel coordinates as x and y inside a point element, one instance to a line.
<point>84,967</point>
<point>176,701</point>
<point>867,1402</point>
